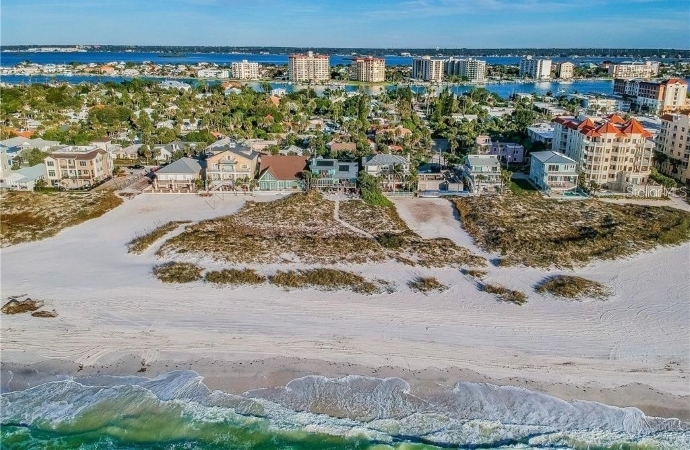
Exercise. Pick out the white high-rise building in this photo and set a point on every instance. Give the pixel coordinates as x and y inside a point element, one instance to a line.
<point>369,69</point>
<point>473,69</point>
<point>427,68</point>
<point>565,70</point>
<point>539,69</point>
<point>674,142</point>
<point>647,69</point>
<point>309,67</point>
<point>245,70</point>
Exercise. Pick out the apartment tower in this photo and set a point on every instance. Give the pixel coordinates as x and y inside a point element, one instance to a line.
<point>428,69</point>
<point>673,141</point>
<point>309,67</point>
<point>369,69</point>
<point>245,70</point>
<point>539,69</point>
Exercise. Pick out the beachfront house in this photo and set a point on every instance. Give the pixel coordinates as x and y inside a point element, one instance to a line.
<point>78,167</point>
<point>393,169</point>
<point>553,171</point>
<point>281,173</point>
<point>179,176</point>
<point>482,173</point>
<point>331,174</point>
<point>225,167</point>
<point>24,179</point>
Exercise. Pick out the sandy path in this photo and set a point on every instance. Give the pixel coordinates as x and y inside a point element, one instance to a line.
<point>110,306</point>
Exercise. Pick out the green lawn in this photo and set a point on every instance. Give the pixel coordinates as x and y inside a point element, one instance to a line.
<point>521,186</point>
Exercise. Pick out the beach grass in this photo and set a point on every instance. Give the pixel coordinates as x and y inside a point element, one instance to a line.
<point>139,244</point>
<point>177,272</point>
<point>426,285</point>
<point>234,276</point>
<point>539,232</point>
<point>475,273</point>
<point>505,294</point>
<point>326,279</point>
<point>32,216</point>
<point>573,287</point>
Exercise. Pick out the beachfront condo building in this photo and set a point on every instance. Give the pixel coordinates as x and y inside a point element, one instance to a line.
<point>428,69</point>
<point>309,67</point>
<point>647,69</point>
<point>614,153</point>
<point>245,70</point>
<point>76,167</point>
<point>565,70</point>
<point>673,147</point>
<point>653,96</point>
<point>369,69</point>
<point>539,69</point>
<point>472,69</point>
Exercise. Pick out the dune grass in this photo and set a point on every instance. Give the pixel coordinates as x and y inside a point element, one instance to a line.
<point>177,272</point>
<point>573,287</point>
<point>234,276</point>
<point>139,244</point>
<point>326,279</point>
<point>32,216</point>
<point>474,273</point>
<point>426,285</point>
<point>540,232</point>
<point>505,294</point>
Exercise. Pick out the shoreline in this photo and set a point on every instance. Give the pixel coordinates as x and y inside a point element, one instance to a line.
<point>238,376</point>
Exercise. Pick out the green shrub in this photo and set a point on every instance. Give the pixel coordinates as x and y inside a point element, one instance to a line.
<point>234,276</point>
<point>573,287</point>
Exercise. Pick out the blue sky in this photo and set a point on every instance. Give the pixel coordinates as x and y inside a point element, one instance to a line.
<point>351,23</point>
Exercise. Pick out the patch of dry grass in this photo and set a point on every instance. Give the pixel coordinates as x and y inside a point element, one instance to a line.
<point>376,220</point>
<point>573,287</point>
<point>540,232</point>
<point>32,216</point>
<point>426,285</point>
<point>326,279</point>
<point>177,272</point>
<point>234,276</point>
<point>139,244</point>
<point>505,294</point>
<point>474,273</point>
<point>15,306</point>
<point>301,228</point>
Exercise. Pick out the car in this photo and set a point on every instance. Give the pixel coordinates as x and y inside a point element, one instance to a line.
<point>137,166</point>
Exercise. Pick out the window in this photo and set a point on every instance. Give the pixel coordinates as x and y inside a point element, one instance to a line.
<point>50,163</point>
<point>51,173</point>
<point>82,163</point>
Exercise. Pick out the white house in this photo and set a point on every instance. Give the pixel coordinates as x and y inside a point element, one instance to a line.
<point>181,174</point>
<point>553,171</point>
<point>482,172</point>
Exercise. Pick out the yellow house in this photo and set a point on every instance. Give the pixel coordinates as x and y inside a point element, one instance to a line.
<point>227,166</point>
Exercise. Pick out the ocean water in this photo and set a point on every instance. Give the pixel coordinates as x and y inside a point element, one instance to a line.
<point>177,411</point>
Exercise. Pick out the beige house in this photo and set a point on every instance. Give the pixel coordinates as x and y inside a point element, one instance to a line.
<point>226,167</point>
<point>71,169</point>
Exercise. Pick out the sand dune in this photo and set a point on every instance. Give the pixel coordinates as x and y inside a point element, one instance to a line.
<point>112,309</point>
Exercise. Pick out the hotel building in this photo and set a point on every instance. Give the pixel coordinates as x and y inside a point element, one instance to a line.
<point>75,167</point>
<point>653,96</point>
<point>615,153</point>
<point>369,69</point>
<point>309,67</point>
<point>245,70</point>
<point>473,69</point>
<point>539,69</point>
<point>674,142</point>
<point>634,70</point>
<point>428,69</point>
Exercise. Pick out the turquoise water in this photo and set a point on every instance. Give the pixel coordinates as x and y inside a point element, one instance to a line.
<point>177,411</point>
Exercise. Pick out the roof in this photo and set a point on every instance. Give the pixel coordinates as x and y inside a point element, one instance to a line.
<point>83,156</point>
<point>483,160</point>
<point>635,127</point>
<point>243,152</point>
<point>552,157</point>
<point>182,165</point>
<point>32,173</point>
<point>283,167</point>
<point>14,142</point>
<point>383,159</point>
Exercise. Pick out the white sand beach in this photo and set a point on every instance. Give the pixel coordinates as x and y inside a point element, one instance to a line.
<point>114,315</point>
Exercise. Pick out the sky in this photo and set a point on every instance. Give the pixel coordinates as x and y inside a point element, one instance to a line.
<point>350,23</point>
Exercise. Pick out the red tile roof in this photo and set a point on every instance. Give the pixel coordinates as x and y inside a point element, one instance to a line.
<point>635,127</point>
<point>615,118</point>
<point>283,167</point>
<point>608,128</point>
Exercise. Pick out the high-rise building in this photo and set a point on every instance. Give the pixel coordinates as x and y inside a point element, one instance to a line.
<point>369,69</point>
<point>245,70</point>
<point>673,141</point>
<point>565,70</point>
<point>647,69</point>
<point>653,96</point>
<point>427,68</point>
<point>473,69</point>
<point>309,67</point>
<point>539,69</point>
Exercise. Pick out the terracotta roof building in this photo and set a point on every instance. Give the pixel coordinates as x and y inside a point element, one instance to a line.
<point>280,173</point>
<point>653,96</point>
<point>614,153</point>
<point>76,169</point>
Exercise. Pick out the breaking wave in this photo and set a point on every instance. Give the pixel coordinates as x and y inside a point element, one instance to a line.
<point>176,410</point>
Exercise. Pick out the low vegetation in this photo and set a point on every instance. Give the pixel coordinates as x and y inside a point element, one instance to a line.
<point>426,285</point>
<point>234,276</point>
<point>326,279</point>
<point>301,228</point>
<point>32,216</point>
<point>16,306</point>
<point>505,294</point>
<point>177,272</point>
<point>540,232</point>
<point>139,244</point>
<point>478,274</point>
<point>573,287</point>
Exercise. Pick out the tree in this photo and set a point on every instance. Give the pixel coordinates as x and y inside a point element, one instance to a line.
<point>506,177</point>
<point>593,187</point>
<point>40,184</point>
<point>33,156</point>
